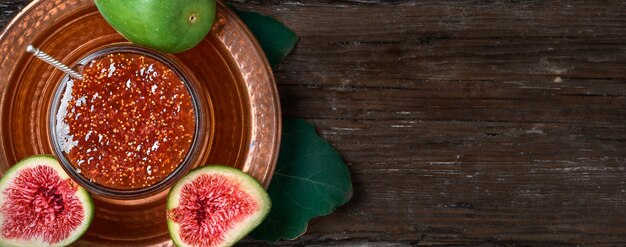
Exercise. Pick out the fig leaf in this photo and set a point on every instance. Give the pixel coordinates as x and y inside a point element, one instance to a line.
<point>276,39</point>
<point>310,180</point>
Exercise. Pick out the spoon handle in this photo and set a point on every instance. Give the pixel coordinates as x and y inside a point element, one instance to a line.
<point>50,60</point>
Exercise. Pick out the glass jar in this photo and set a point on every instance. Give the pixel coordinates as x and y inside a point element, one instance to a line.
<point>130,128</point>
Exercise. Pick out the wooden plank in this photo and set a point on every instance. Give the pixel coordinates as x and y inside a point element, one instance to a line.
<point>465,123</point>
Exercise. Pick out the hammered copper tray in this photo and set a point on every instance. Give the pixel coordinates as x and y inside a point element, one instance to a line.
<point>228,67</point>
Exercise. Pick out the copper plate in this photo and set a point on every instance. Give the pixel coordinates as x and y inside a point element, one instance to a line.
<point>229,68</point>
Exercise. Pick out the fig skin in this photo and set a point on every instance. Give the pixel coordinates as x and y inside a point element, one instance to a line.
<point>164,25</point>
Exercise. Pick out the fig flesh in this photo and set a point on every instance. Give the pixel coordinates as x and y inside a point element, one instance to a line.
<point>40,205</point>
<point>215,206</point>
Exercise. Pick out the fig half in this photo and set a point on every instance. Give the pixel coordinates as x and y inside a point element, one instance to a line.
<point>40,205</point>
<point>215,205</point>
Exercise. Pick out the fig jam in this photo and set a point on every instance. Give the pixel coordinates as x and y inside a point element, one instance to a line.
<point>128,124</point>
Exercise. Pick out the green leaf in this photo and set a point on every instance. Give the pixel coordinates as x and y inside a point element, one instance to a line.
<point>276,39</point>
<point>310,180</point>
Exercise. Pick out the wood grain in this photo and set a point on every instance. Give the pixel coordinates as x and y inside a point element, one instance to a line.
<point>498,123</point>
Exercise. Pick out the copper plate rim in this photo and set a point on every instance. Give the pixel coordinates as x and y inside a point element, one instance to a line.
<point>273,87</point>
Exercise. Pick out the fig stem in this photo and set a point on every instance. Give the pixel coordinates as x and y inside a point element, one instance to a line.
<point>55,63</point>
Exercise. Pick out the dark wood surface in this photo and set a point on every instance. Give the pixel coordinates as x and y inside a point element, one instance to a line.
<point>463,123</point>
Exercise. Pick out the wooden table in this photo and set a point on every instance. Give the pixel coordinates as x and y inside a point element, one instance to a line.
<point>462,123</point>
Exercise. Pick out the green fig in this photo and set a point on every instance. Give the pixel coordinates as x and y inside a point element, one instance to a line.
<point>168,26</point>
